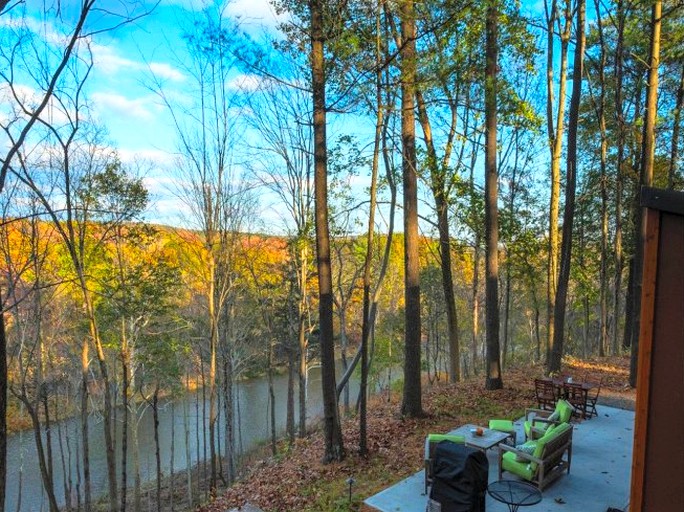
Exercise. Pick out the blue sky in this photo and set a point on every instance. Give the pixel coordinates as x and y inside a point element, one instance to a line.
<point>125,60</point>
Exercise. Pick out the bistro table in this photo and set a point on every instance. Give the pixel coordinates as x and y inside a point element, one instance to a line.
<point>514,493</point>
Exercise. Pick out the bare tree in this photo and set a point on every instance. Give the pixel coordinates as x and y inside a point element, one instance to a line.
<point>281,113</point>
<point>213,190</point>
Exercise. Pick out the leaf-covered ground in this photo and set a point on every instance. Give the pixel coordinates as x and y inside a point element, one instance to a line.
<point>298,481</point>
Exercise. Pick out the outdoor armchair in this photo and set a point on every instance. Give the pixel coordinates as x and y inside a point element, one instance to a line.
<point>550,456</point>
<point>431,442</point>
<point>537,421</point>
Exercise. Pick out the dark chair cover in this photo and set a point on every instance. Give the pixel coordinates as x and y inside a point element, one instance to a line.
<point>461,475</point>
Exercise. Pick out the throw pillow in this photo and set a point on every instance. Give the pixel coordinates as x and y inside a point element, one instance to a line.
<point>527,448</point>
<point>555,416</point>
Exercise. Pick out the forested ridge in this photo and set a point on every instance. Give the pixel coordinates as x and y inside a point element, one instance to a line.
<point>442,190</point>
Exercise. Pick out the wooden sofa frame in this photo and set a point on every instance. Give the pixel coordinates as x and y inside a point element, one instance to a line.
<point>551,464</point>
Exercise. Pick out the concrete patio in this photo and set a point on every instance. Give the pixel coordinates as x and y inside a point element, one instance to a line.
<point>599,476</point>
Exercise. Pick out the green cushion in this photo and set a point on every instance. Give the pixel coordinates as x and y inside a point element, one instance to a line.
<point>564,411</point>
<point>502,425</point>
<point>436,438</point>
<point>521,469</point>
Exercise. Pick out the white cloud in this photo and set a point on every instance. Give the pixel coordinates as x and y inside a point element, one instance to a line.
<point>244,82</point>
<point>255,11</point>
<point>30,98</point>
<point>157,157</point>
<point>167,71</point>
<point>141,108</point>
<point>108,61</point>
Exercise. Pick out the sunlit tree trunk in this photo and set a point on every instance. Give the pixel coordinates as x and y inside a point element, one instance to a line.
<point>570,189</point>
<point>603,163</point>
<point>494,379</point>
<point>555,136</point>
<point>302,340</point>
<point>646,177</point>
<point>85,374</point>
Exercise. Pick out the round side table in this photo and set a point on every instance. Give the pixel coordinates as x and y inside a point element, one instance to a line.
<point>515,494</point>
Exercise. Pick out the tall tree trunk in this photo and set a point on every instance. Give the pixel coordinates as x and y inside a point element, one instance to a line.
<point>290,417</point>
<point>229,416</point>
<point>3,403</point>
<point>302,340</point>
<point>108,406</point>
<point>676,121</point>
<point>635,163</point>
<point>271,399</point>
<point>646,177</point>
<point>601,114</point>
<point>475,290</point>
<point>334,447</point>
<point>172,456</point>
<point>370,242</point>
<point>555,135</point>
<point>124,428</point>
<point>85,358</point>
<point>412,395</point>
<point>213,345</point>
<point>439,194</point>
<point>570,189</point>
<point>494,380</point>
<point>619,182</point>
<point>43,464</point>
<point>506,319</point>
<point>157,453</point>
<point>186,431</point>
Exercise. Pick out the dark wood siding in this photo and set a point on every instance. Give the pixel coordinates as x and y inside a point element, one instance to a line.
<point>658,460</point>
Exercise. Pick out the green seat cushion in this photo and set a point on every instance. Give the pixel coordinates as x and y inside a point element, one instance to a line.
<point>502,425</point>
<point>436,438</point>
<point>521,469</point>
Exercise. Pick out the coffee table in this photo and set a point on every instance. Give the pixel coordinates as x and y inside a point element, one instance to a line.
<point>489,438</point>
<point>515,494</point>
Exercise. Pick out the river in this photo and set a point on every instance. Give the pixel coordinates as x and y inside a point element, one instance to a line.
<point>22,464</point>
